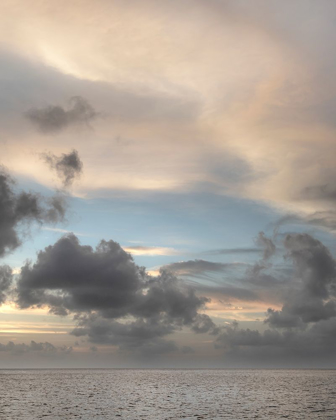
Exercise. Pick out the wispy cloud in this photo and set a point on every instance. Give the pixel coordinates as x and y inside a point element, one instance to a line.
<point>65,231</point>
<point>151,250</point>
<point>229,251</point>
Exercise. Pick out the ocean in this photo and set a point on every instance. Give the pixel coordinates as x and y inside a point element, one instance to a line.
<point>167,394</point>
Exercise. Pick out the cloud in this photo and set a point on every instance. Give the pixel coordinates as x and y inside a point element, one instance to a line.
<point>267,244</point>
<point>315,345</point>
<point>306,324</point>
<point>150,250</point>
<point>54,118</point>
<point>199,267</point>
<point>312,299</point>
<point>261,281</point>
<point>204,324</point>
<point>325,192</point>
<point>45,348</point>
<point>322,219</point>
<point>18,209</point>
<point>67,166</point>
<point>256,275</point>
<point>6,278</point>
<point>229,251</point>
<point>142,337</point>
<point>237,280</point>
<point>187,350</point>
<point>225,286</point>
<point>265,114</point>
<point>114,300</point>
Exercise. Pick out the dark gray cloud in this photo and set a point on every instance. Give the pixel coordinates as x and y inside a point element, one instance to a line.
<point>68,166</point>
<point>70,277</point>
<point>19,209</point>
<point>54,118</point>
<point>114,300</point>
<point>305,326</point>
<point>6,278</point>
<point>312,299</point>
<point>204,324</point>
<point>46,348</point>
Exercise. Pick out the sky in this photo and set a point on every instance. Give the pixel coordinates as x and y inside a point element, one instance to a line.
<point>167,183</point>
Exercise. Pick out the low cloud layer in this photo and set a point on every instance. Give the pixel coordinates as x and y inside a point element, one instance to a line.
<point>45,348</point>
<point>68,166</point>
<point>20,209</point>
<point>54,118</point>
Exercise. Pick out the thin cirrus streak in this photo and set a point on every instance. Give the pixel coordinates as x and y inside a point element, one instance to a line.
<point>150,250</point>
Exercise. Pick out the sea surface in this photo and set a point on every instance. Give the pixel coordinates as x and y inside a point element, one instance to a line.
<point>167,394</point>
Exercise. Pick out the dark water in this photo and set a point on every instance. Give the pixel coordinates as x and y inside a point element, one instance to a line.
<point>168,394</point>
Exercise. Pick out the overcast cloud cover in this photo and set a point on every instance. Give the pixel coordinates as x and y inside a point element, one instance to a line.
<point>167,183</point>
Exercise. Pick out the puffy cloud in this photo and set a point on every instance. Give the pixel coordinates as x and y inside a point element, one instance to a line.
<point>54,118</point>
<point>204,324</point>
<point>312,298</point>
<point>114,300</point>
<point>19,208</point>
<point>67,166</point>
<point>305,326</point>
<point>69,276</point>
